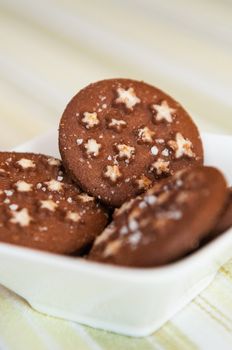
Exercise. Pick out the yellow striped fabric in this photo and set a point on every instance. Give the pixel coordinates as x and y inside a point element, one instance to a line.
<point>49,50</point>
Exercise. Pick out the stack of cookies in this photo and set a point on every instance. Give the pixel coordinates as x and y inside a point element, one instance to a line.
<point>131,189</point>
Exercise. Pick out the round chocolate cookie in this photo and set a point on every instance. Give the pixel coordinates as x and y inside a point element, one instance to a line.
<point>225,221</point>
<point>118,136</point>
<point>41,208</point>
<point>165,223</point>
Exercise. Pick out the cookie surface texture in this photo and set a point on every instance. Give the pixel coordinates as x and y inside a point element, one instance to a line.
<point>225,221</point>
<point>166,223</point>
<point>118,137</point>
<point>41,208</point>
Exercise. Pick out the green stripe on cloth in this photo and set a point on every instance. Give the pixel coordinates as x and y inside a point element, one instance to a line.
<point>34,330</point>
<point>15,330</point>
<point>171,337</point>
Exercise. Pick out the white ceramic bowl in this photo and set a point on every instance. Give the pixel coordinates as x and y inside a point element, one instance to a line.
<point>134,302</point>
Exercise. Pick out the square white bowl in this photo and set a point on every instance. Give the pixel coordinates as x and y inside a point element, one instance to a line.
<point>134,302</point>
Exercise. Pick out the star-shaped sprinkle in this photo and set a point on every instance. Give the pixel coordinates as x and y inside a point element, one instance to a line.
<point>125,151</point>
<point>127,97</point>
<point>23,186</point>
<point>49,205</point>
<point>116,124</point>
<point>112,248</point>
<point>113,173</point>
<point>75,217</point>
<point>26,163</point>
<point>109,230</point>
<point>54,185</point>
<point>54,162</point>
<point>161,166</point>
<point>92,147</point>
<point>85,198</point>
<point>143,182</point>
<point>21,217</point>
<point>145,135</point>
<point>181,146</point>
<point>163,112</point>
<point>90,119</point>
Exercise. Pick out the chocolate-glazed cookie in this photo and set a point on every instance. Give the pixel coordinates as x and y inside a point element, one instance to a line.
<point>165,223</point>
<point>118,137</point>
<point>41,208</point>
<point>225,220</point>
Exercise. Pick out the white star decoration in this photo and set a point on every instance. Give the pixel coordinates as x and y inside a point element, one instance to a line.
<point>125,151</point>
<point>112,248</point>
<point>54,162</point>
<point>26,163</point>
<point>48,204</point>
<point>143,182</point>
<point>85,198</point>
<point>146,135</point>
<point>127,97</point>
<point>164,112</point>
<point>161,166</point>
<point>73,216</point>
<point>23,186</point>
<point>54,185</point>
<point>92,147</point>
<point>112,172</point>
<point>116,124</point>
<point>90,119</point>
<point>181,146</point>
<point>21,217</point>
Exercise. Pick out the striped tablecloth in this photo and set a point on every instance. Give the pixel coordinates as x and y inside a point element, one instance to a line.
<point>50,49</point>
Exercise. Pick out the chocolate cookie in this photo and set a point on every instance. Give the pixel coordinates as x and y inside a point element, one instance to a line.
<point>225,221</point>
<point>118,137</point>
<point>165,223</point>
<point>41,208</point>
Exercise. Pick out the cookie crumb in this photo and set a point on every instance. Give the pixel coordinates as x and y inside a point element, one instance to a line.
<point>79,141</point>
<point>165,152</point>
<point>9,193</point>
<point>154,150</point>
<point>13,207</point>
